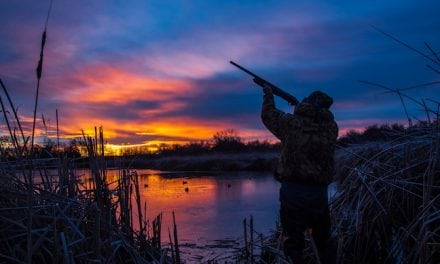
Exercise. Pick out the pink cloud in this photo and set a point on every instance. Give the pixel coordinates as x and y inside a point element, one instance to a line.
<point>107,84</point>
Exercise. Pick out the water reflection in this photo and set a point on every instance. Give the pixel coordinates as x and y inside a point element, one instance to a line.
<point>208,206</point>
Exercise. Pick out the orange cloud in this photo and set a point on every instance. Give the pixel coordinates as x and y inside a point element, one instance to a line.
<point>102,84</point>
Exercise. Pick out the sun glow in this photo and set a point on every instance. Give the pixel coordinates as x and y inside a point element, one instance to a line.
<point>120,150</point>
<point>126,149</point>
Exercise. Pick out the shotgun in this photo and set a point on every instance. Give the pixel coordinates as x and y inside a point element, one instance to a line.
<point>277,91</point>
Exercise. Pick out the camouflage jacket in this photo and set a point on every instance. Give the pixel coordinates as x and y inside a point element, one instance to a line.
<point>308,139</point>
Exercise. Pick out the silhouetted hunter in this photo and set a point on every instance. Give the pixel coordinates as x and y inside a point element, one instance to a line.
<point>306,166</point>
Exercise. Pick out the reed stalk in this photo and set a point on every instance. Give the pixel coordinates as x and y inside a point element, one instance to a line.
<point>251,238</point>
<point>176,241</point>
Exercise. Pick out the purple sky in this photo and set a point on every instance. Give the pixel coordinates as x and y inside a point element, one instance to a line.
<point>158,71</point>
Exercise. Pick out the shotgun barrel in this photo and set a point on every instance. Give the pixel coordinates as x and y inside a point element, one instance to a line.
<point>277,91</point>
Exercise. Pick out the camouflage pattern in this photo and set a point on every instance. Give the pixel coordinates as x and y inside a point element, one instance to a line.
<point>308,139</point>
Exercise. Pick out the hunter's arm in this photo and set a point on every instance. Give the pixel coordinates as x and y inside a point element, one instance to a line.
<point>272,118</point>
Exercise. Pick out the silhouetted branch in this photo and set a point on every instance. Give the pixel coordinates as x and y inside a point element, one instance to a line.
<point>406,45</point>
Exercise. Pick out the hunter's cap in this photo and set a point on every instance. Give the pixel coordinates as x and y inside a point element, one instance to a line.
<point>319,99</point>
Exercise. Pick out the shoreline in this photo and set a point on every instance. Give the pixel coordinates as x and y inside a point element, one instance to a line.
<point>253,161</point>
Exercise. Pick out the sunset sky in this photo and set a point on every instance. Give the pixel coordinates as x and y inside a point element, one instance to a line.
<point>158,71</point>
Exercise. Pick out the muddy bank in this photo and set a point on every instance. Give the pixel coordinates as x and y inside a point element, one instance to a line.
<point>264,161</point>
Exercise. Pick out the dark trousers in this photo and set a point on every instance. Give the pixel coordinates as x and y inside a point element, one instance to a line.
<point>303,207</point>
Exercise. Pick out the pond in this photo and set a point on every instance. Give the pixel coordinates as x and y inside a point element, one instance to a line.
<point>209,207</point>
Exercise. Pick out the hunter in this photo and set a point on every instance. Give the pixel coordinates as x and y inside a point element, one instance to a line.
<point>306,167</point>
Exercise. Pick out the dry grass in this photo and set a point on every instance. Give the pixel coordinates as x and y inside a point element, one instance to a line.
<point>388,207</point>
<point>98,221</point>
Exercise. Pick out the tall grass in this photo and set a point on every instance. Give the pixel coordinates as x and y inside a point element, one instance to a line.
<point>388,204</point>
<point>74,221</point>
<point>388,207</point>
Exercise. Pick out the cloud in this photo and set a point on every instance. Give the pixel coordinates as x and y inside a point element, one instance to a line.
<point>106,84</point>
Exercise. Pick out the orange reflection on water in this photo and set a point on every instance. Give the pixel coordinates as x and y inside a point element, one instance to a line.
<point>175,194</point>
<point>168,194</point>
<point>208,207</point>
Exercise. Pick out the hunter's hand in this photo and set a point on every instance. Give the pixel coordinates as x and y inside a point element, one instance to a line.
<point>264,85</point>
<point>267,89</point>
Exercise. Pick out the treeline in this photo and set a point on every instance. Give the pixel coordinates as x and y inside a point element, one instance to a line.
<point>49,149</point>
<point>223,141</point>
<point>385,132</point>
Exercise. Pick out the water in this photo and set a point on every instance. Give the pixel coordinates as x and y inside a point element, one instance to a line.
<point>209,207</point>
<point>212,207</point>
